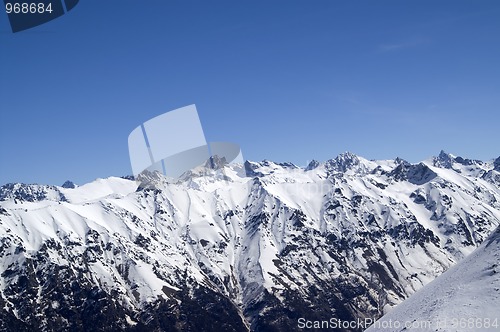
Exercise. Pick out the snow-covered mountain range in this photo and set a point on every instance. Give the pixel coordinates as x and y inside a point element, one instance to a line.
<point>238,247</point>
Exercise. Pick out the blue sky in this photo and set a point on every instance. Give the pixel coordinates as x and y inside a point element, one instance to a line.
<point>287,80</point>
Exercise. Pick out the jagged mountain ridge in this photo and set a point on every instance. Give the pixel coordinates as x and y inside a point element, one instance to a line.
<point>253,246</point>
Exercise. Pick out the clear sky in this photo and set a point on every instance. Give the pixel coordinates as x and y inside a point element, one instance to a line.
<point>287,80</point>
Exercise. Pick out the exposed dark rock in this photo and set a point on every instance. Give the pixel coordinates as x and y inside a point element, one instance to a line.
<point>496,164</point>
<point>312,165</point>
<point>69,185</point>
<point>416,174</point>
<point>443,160</point>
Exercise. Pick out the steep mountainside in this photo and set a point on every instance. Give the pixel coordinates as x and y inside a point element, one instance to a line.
<point>464,298</point>
<point>241,247</point>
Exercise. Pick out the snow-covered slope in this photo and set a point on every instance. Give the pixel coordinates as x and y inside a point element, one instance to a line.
<point>254,246</point>
<point>464,298</point>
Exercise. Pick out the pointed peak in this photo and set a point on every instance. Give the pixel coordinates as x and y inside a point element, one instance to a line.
<point>312,165</point>
<point>215,162</point>
<point>400,161</point>
<point>443,154</point>
<point>347,156</point>
<point>444,160</point>
<point>344,162</point>
<point>69,185</point>
<point>347,159</point>
<point>149,179</point>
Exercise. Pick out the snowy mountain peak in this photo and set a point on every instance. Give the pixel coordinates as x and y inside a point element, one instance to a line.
<point>30,192</point>
<point>347,158</point>
<point>347,161</point>
<point>447,160</point>
<point>150,180</point>
<point>444,160</point>
<point>216,162</point>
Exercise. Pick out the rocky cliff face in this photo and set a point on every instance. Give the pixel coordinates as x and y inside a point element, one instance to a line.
<point>243,247</point>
